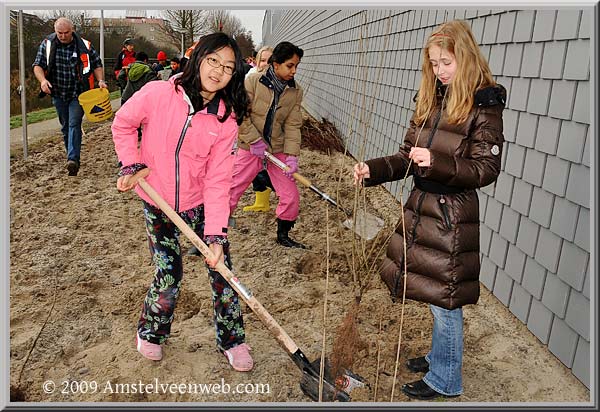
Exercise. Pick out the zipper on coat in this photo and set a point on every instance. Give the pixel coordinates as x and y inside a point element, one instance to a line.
<point>445,213</point>
<point>436,122</point>
<point>179,144</point>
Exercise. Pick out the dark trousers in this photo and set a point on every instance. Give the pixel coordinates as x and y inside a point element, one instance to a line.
<point>159,305</point>
<point>261,182</point>
<point>70,116</point>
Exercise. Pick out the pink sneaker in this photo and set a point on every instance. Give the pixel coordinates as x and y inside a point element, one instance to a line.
<point>149,350</point>
<point>239,357</point>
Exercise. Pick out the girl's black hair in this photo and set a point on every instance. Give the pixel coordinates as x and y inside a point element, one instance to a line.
<point>285,51</point>
<point>234,94</point>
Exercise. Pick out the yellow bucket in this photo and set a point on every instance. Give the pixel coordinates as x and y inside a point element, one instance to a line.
<point>96,104</point>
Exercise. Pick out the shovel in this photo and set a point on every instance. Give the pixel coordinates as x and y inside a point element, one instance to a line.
<point>364,224</point>
<point>333,388</point>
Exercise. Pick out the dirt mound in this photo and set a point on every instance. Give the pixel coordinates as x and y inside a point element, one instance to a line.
<point>80,269</point>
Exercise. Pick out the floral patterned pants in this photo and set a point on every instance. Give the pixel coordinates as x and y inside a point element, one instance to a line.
<point>159,305</point>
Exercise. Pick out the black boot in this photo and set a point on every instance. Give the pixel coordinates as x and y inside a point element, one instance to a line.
<point>283,227</point>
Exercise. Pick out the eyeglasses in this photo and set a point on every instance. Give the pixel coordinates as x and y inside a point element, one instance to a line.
<point>215,63</point>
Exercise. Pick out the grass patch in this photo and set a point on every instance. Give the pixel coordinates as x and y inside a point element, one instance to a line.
<point>45,114</point>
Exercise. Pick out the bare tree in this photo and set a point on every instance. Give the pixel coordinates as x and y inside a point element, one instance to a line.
<point>245,43</point>
<point>78,17</point>
<point>223,20</point>
<point>189,22</point>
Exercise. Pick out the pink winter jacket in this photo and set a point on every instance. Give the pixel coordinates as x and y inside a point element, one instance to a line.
<point>189,165</point>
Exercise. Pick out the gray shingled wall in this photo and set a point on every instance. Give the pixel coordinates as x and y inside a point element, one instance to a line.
<point>361,70</point>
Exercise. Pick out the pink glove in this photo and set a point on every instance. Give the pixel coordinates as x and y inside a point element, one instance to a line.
<point>292,164</point>
<point>258,148</point>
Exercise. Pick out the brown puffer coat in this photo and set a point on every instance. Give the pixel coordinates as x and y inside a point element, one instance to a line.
<point>441,215</point>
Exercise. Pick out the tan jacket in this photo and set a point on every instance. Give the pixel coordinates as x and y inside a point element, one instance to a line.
<point>285,137</point>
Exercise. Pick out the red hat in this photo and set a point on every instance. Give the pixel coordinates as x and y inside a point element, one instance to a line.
<point>161,55</point>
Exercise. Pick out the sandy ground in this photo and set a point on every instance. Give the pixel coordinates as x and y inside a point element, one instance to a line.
<point>80,268</point>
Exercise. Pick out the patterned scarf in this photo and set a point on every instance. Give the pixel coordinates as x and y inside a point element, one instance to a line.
<point>278,88</point>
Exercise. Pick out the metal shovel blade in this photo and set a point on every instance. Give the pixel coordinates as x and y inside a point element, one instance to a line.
<point>364,224</point>
<point>337,389</point>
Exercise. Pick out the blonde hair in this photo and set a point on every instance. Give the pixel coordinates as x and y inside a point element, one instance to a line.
<point>259,55</point>
<point>472,73</point>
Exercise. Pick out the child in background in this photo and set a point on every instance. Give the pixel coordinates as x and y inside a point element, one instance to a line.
<point>261,185</point>
<point>190,124</point>
<point>274,125</point>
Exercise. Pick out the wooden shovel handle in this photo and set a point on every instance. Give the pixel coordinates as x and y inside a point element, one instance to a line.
<point>282,337</point>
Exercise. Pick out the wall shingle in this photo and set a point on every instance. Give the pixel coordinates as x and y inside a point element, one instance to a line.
<point>504,188</point>
<point>554,59</point>
<point>567,24</point>
<point>510,118</point>
<point>521,199</point>
<point>514,55</point>
<point>535,164</point>
<point>581,108</point>
<point>544,25</point>
<point>491,29</point>
<point>515,263</point>
<point>527,129</point>
<point>573,264</point>
<point>498,250</point>
<point>556,294</point>
<point>586,23</point>
<point>582,362</point>
<point>493,214</point>
<point>534,278</point>
<point>578,314</point>
<point>524,26</point>
<point>503,287</point>
<point>528,235</point>
<point>540,321</point>
<point>548,250</point>
<point>520,301</point>
<point>562,99</point>
<point>578,189</point>
<point>556,175</point>
<point>563,342</point>
<point>515,159</point>
<point>547,135</point>
<point>539,96</point>
<point>578,60</point>
<point>541,207</point>
<point>572,141</point>
<point>496,61</point>
<point>506,27</point>
<point>487,273</point>
<point>532,59</point>
<point>519,93</point>
<point>564,218</point>
<point>582,232</point>
<point>510,224</point>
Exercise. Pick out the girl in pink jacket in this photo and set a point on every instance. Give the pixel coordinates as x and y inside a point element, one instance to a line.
<point>190,126</point>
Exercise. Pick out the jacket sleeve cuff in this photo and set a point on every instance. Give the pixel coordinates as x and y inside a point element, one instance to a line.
<point>132,169</point>
<point>379,171</point>
<point>218,239</point>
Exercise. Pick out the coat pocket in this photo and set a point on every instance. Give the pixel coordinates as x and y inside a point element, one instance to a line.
<point>392,276</point>
<point>445,213</point>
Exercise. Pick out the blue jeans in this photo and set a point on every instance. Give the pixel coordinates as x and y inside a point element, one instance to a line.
<point>445,356</point>
<point>70,115</point>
